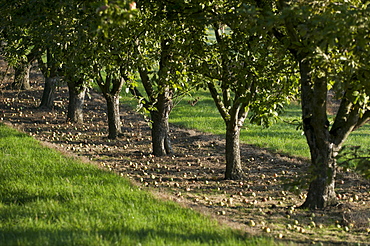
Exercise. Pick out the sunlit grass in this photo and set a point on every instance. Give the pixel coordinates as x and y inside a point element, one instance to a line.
<point>48,199</point>
<point>283,137</point>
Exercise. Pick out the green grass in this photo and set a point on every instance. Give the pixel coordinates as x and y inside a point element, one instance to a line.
<point>282,137</point>
<point>49,199</point>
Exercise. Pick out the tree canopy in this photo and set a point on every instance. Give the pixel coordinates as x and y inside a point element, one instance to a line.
<point>329,41</point>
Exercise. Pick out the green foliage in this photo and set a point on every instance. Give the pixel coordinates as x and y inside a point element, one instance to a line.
<point>355,158</point>
<point>48,199</point>
<point>161,56</point>
<point>327,40</point>
<point>113,13</point>
<point>334,37</point>
<point>244,64</point>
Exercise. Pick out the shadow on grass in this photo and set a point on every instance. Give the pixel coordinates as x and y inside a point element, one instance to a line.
<point>120,236</point>
<point>9,133</point>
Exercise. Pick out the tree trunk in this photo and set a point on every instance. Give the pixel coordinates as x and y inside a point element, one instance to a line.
<point>321,192</point>
<point>50,71</point>
<point>48,95</point>
<point>76,103</point>
<point>316,128</point>
<point>22,76</point>
<point>160,134</point>
<point>160,128</point>
<point>111,88</point>
<point>234,169</point>
<point>114,120</point>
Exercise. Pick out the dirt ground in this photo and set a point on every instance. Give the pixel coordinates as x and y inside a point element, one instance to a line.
<point>193,177</point>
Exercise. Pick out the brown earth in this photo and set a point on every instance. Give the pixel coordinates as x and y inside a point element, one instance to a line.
<point>193,177</point>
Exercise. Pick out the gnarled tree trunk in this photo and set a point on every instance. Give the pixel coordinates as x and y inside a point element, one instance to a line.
<point>321,191</point>
<point>158,101</point>
<point>324,144</point>
<point>76,103</point>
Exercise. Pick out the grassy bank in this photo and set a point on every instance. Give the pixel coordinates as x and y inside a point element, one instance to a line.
<point>49,199</point>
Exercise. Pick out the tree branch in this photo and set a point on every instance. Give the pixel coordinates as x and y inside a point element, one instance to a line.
<point>219,104</point>
<point>345,121</point>
<point>363,120</point>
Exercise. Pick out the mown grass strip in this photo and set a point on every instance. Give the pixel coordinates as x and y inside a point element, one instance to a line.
<point>50,199</point>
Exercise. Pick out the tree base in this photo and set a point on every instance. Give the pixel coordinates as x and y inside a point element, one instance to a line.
<point>236,176</point>
<point>311,206</point>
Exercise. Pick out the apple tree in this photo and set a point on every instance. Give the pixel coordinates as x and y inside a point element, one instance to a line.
<point>17,45</point>
<point>35,31</point>
<point>246,71</point>
<point>330,43</point>
<point>162,52</point>
<point>110,47</point>
<point>65,58</point>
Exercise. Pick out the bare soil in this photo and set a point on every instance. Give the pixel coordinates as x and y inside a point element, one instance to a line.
<point>193,177</point>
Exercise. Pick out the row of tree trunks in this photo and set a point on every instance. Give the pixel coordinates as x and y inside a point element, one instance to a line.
<point>77,91</point>
<point>321,192</point>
